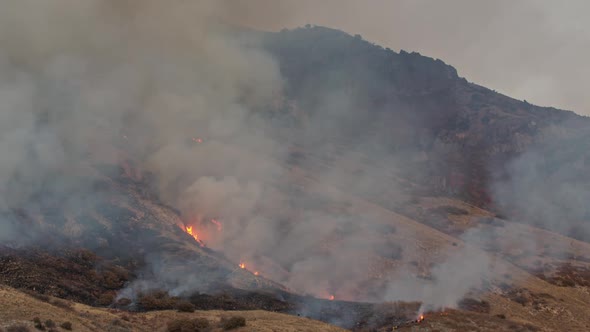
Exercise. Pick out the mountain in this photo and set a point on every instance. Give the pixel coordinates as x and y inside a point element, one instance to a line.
<point>363,189</point>
<point>456,138</point>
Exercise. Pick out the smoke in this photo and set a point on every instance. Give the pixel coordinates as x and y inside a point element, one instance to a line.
<point>79,77</point>
<point>547,185</point>
<point>475,37</point>
<point>190,100</point>
<point>466,270</point>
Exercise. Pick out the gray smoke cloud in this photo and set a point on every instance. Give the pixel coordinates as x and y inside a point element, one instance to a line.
<point>87,82</point>
<point>547,185</point>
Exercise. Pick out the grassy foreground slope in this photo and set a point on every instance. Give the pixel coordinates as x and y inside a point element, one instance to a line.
<point>20,309</point>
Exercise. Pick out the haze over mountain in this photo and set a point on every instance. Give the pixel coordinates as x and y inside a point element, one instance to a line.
<point>153,156</point>
<point>532,49</point>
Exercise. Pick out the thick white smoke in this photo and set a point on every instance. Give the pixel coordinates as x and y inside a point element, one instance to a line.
<point>84,82</point>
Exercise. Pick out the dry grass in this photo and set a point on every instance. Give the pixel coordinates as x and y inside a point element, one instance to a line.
<point>19,309</point>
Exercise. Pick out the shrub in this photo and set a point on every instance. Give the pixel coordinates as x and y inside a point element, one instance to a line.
<point>38,325</point>
<point>62,304</point>
<point>18,328</point>
<point>201,323</point>
<point>187,325</point>
<point>184,306</point>
<point>233,322</point>
<point>66,326</point>
<point>520,299</point>
<point>105,299</point>
<point>49,323</point>
<point>38,296</point>
<point>157,300</point>
<point>123,302</point>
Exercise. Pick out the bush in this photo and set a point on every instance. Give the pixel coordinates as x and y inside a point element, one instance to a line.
<point>62,304</point>
<point>157,300</point>
<point>38,325</point>
<point>123,302</point>
<point>106,299</point>
<point>38,296</point>
<point>184,306</point>
<point>49,323</point>
<point>18,328</point>
<point>201,323</point>
<point>232,322</point>
<point>187,325</point>
<point>66,326</point>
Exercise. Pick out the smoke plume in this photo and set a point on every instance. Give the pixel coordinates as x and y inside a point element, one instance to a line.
<point>189,99</point>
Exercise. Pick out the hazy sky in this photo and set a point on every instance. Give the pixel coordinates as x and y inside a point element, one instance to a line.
<point>528,49</point>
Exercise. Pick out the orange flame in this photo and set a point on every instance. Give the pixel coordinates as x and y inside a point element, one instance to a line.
<point>421,318</point>
<point>189,230</point>
<point>332,297</point>
<point>256,273</point>
<point>218,224</point>
<point>242,266</point>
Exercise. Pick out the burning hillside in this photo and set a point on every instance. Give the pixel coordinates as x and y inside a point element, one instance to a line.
<point>164,157</point>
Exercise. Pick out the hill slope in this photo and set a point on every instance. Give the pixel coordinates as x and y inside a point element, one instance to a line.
<point>370,177</point>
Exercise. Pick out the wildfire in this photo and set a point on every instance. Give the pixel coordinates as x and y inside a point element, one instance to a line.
<point>242,265</point>
<point>420,319</point>
<point>189,231</point>
<point>197,140</point>
<point>218,224</point>
<point>331,297</point>
<point>256,273</point>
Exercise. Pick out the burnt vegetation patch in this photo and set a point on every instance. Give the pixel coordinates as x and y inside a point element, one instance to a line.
<point>474,305</point>
<point>73,274</point>
<point>564,275</point>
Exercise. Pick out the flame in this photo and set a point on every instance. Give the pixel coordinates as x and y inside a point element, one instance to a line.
<point>420,318</point>
<point>242,265</point>
<point>189,231</point>
<point>332,298</point>
<point>197,140</point>
<point>256,273</point>
<point>218,224</point>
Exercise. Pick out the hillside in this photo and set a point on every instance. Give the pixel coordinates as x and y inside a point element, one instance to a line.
<point>304,173</point>
<point>417,117</point>
<point>85,318</point>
